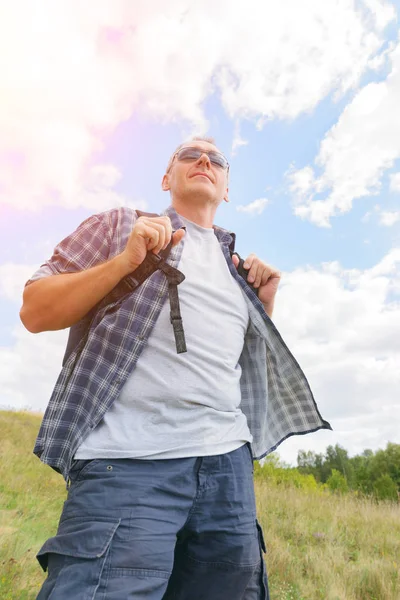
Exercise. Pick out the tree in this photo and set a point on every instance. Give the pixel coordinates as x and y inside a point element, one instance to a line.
<point>387,461</point>
<point>337,458</point>
<point>393,453</point>
<point>362,480</point>
<point>310,463</point>
<point>363,472</point>
<point>337,482</point>
<point>385,488</point>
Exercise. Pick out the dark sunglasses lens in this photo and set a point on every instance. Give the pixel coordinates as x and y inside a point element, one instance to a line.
<point>189,154</point>
<point>217,159</point>
<point>194,154</point>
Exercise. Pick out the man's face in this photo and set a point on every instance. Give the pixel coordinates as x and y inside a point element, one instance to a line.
<point>197,180</point>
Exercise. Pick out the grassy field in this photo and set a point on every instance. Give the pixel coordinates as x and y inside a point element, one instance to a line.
<point>320,546</point>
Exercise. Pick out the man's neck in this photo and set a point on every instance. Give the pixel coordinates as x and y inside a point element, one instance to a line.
<point>201,215</point>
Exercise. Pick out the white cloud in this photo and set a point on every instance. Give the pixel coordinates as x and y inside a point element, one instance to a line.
<point>12,280</point>
<point>354,154</point>
<point>389,218</point>
<point>29,369</point>
<point>366,217</point>
<point>295,54</point>
<point>97,191</point>
<point>253,208</point>
<point>380,61</point>
<point>343,326</point>
<point>72,71</point>
<point>395,182</point>
<point>238,141</point>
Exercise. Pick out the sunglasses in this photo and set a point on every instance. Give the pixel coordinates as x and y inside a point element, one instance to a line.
<point>189,154</point>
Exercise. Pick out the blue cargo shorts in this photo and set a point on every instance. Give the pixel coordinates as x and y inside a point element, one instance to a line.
<point>172,529</point>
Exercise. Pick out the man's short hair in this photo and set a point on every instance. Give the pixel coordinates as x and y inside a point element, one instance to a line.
<point>197,138</point>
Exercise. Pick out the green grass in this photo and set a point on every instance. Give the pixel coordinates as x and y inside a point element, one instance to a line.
<point>31,498</point>
<point>320,546</point>
<point>326,547</point>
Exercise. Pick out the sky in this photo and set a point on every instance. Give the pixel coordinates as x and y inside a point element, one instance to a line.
<point>302,97</point>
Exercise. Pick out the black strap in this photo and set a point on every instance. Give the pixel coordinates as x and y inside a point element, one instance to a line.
<point>244,272</point>
<point>79,332</point>
<point>176,319</point>
<point>174,278</point>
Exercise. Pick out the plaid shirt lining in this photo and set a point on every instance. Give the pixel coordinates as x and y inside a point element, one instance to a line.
<point>276,397</point>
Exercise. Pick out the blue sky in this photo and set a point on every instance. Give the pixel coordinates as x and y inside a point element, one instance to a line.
<point>306,137</point>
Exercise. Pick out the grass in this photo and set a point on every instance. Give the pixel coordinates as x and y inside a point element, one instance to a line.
<point>326,547</point>
<point>320,546</point>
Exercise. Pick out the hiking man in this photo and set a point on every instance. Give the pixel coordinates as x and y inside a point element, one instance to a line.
<point>161,406</point>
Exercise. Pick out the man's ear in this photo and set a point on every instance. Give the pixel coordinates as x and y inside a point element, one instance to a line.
<point>226,197</point>
<point>165,183</point>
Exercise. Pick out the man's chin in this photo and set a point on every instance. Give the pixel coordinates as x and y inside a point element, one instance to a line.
<point>202,198</point>
<point>199,195</point>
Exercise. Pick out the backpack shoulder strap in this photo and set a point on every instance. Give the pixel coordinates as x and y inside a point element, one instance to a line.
<point>240,268</point>
<point>243,272</point>
<point>140,213</point>
<point>78,333</point>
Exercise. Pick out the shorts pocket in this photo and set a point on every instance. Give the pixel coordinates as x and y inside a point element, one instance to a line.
<point>76,556</point>
<point>80,467</point>
<point>263,573</point>
<point>80,538</point>
<point>261,537</point>
<point>251,456</point>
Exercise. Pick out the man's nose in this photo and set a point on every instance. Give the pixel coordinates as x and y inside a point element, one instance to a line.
<point>204,159</point>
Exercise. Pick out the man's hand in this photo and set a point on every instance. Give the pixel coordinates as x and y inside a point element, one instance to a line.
<point>148,234</point>
<point>264,278</point>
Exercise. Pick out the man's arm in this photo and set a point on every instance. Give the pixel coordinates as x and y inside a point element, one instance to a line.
<point>59,301</point>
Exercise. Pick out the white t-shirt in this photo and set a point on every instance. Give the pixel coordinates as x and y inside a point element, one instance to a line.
<point>180,405</point>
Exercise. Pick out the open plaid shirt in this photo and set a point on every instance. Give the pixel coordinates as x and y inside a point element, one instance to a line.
<point>276,397</point>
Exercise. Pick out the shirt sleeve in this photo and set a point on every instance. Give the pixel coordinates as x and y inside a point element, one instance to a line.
<point>86,247</point>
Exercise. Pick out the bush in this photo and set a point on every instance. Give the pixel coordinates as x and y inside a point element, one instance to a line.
<point>285,477</point>
<point>337,483</point>
<point>385,488</point>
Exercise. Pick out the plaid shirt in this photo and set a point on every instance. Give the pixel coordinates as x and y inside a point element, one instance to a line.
<point>276,397</point>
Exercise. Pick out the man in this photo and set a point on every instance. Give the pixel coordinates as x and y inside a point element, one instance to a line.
<point>157,446</point>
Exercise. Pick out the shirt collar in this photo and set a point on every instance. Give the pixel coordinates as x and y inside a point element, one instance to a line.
<point>223,235</point>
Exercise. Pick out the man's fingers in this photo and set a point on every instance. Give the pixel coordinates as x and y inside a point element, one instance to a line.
<point>250,264</point>
<point>157,231</point>
<point>257,281</point>
<point>249,260</point>
<point>259,273</point>
<point>168,231</point>
<point>252,272</point>
<point>159,235</point>
<point>264,276</point>
<point>178,236</point>
<point>151,236</point>
<point>164,227</point>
